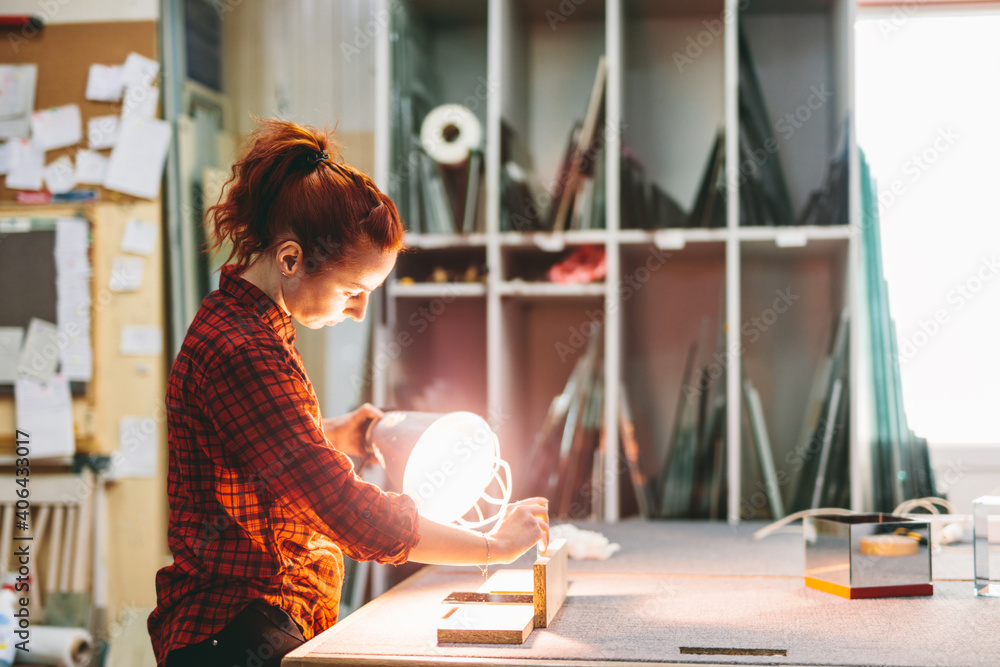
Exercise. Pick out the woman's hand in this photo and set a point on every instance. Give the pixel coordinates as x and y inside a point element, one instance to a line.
<point>522,525</point>
<point>347,433</point>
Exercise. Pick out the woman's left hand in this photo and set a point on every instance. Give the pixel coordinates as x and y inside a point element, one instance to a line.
<point>347,433</point>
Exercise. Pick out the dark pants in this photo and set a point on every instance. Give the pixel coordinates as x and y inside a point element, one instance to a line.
<point>259,636</point>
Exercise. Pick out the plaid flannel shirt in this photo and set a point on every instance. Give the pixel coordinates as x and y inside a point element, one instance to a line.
<point>261,504</point>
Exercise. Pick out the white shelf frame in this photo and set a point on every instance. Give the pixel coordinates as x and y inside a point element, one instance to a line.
<point>501,16</point>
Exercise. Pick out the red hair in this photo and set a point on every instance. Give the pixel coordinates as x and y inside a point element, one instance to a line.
<point>291,183</point>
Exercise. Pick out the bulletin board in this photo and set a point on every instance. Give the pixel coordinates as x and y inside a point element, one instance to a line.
<point>64,54</point>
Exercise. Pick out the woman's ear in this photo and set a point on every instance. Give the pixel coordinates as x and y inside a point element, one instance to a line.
<point>289,258</point>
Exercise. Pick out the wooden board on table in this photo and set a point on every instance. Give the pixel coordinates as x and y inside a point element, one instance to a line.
<point>550,578</point>
<point>487,624</point>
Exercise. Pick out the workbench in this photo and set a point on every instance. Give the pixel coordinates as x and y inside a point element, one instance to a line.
<point>684,593</point>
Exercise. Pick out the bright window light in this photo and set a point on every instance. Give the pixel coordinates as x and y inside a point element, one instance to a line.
<point>928,119</point>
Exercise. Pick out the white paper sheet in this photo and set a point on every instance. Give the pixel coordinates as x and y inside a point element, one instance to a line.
<point>45,412</point>
<point>126,274</point>
<point>140,101</point>
<point>73,297</point>
<point>139,70</point>
<point>60,175</point>
<point>102,132</point>
<point>105,83</point>
<point>26,164</point>
<point>137,441</point>
<point>136,166</point>
<point>91,167</point>
<point>40,352</point>
<point>17,99</point>
<point>6,153</point>
<point>57,127</point>
<point>141,341</point>
<point>10,351</point>
<point>139,237</point>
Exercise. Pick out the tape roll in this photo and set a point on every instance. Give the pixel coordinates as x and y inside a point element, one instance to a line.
<point>63,647</point>
<point>449,132</point>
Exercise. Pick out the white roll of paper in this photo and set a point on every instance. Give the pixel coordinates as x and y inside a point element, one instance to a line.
<point>61,647</point>
<point>449,132</point>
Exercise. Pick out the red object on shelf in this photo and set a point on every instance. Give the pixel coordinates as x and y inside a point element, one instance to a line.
<point>586,264</point>
<point>20,21</point>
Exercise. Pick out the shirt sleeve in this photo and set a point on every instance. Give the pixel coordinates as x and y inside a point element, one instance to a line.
<point>259,405</point>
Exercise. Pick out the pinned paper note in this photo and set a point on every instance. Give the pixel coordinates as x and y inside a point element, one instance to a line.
<point>10,351</point>
<point>105,83</point>
<point>102,132</point>
<point>136,166</point>
<point>141,341</point>
<point>58,127</point>
<point>137,442</point>
<point>17,99</point>
<point>27,161</point>
<point>91,167</point>
<point>6,150</point>
<point>126,274</point>
<point>73,297</point>
<point>45,412</point>
<point>60,175</point>
<point>139,237</point>
<point>40,352</point>
<point>140,101</point>
<point>139,70</point>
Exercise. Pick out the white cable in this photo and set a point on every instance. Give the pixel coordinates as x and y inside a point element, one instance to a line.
<point>770,528</point>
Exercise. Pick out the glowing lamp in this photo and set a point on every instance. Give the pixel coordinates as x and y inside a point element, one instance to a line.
<point>445,462</point>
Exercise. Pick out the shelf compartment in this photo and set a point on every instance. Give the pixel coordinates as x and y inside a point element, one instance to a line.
<point>530,264</point>
<point>456,264</point>
<point>791,300</point>
<point>673,93</point>
<point>441,348</point>
<point>672,302</point>
<point>542,340</point>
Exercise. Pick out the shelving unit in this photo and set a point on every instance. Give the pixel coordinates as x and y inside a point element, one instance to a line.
<point>505,344</point>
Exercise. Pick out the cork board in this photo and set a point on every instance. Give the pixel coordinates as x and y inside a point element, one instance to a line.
<point>64,54</point>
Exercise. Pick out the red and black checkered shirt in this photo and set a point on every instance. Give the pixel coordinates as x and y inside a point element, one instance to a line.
<point>261,504</point>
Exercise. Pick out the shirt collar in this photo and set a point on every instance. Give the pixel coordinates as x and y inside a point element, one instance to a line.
<point>254,298</point>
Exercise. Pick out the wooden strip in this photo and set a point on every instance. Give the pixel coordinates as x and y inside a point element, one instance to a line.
<point>66,557</point>
<point>487,624</point>
<point>36,601</point>
<point>52,572</point>
<point>550,570</point>
<point>80,577</point>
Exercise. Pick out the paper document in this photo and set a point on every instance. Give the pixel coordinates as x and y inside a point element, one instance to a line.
<point>139,237</point>
<point>137,445</point>
<point>140,101</point>
<point>10,351</point>
<point>136,166</point>
<point>58,127</point>
<point>91,167</point>
<point>102,132</point>
<point>141,341</point>
<point>73,297</point>
<point>126,274</point>
<point>26,164</point>
<point>17,100</point>
<point>40,352</point>
<point>60,175</point>
<point>45,412</point>
<point>105,83</point>
<point>139,70</point>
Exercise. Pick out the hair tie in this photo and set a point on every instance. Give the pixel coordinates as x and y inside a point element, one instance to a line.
<point>320,156</point>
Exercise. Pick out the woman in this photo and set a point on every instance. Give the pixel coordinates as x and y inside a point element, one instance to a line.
<point>264,500</point>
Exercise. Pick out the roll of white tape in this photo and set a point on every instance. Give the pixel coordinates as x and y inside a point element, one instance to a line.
<point>449,132</point>
<point>60,647</point>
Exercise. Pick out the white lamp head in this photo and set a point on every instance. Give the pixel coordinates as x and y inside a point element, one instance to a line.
<point>445,462</point>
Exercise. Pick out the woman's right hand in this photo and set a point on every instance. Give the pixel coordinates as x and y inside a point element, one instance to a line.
<point>522,525</point>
